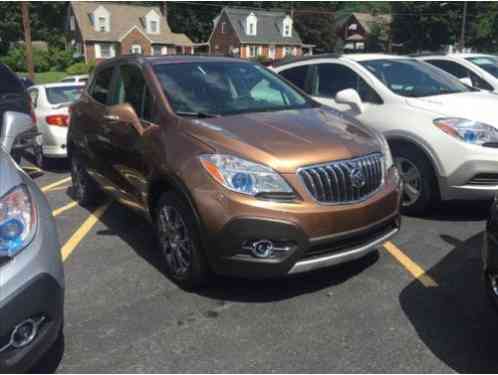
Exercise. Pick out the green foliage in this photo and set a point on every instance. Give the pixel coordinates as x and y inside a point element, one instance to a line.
<point>43,60</point>
<point>80,68</point>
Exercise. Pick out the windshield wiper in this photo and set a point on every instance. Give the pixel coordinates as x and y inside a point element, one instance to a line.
<point>197,114</point>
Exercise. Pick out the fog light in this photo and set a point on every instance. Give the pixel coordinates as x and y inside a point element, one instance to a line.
<point>24,333</point>
<point>262,249</point>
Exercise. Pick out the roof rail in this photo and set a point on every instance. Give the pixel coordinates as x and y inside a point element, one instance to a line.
<point>288,60</point>
<point>427,53</point>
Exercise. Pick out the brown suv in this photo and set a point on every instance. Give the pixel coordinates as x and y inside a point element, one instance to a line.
<point>240,172</point>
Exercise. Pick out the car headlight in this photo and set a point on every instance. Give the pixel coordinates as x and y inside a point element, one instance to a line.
<point>386,152</point>
<point>17,221</point>
<point>468,131</point>
<point>243,176</point>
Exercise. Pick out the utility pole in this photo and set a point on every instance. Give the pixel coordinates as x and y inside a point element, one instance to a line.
<point>27,39</point>
<point>464,20</point>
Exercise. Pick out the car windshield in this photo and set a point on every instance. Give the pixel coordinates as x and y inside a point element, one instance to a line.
<point>63,94</point>
<point>412,78</point>
<point>221,88</point>
<point>488,63</point>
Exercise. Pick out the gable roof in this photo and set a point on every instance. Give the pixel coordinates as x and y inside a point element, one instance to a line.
<point>123,18</point>
<point>366,20</point>
<point>269,30</point>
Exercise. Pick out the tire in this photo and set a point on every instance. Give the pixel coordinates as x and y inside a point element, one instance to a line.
<point>179,242</point>
<point>491,290</point>
<point>85,190</point>
<point>420,190</point>
<point>40,160</point>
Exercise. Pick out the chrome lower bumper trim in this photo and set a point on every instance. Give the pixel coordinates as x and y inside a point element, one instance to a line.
<point>342,257</point>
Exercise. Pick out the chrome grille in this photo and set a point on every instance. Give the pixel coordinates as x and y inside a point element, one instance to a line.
<point>345,181</point>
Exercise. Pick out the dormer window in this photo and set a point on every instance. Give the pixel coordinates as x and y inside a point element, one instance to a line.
<point>152,23</point>
<point>287,27</point>
<point>251,24</point>
<point>101,19</point>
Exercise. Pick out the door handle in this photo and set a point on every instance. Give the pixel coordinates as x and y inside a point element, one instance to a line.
<point>111,117</point>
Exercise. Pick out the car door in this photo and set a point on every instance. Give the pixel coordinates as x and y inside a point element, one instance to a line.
<point>127,158</point>
<point>93,114</point>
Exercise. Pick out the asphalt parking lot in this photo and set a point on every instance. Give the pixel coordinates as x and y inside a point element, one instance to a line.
<point>417,305</point>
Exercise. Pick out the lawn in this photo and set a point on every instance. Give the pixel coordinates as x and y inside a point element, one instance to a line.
<point>47,77</point>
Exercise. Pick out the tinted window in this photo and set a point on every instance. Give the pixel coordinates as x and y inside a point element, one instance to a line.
<point>63,94</point>
<point>296,75</point>
<point>460,72</point>
<point>9,82</point>
<point>223,88</point>
<point>132,89</point>
<point>102,85</point>
<point>488,63</point>
<point>332,78</point>
<point>412,78</point>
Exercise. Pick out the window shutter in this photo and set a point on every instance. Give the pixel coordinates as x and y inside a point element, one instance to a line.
<point>96,46</point>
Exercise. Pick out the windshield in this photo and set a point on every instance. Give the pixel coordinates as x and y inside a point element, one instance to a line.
<point>412,78</point>
<point>221,88</point>
<point>488,63</point>
<point>63,94</point>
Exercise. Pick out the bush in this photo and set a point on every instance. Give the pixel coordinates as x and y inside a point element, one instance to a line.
<point>80,68</point>
<point>44,61</point>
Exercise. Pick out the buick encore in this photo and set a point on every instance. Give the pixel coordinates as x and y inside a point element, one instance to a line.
<point>240,172</point>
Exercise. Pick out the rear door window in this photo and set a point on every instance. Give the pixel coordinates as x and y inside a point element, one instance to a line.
<point>298,76</point>
<point>101,87</point>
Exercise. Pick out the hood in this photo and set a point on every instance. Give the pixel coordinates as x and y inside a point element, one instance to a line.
<point>287,140</point>
<point>478,106</point>
<point>9,174</point>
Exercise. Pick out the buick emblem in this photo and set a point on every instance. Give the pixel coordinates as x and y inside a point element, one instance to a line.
<point>357,177</point>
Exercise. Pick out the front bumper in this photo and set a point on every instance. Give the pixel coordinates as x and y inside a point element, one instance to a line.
<point>39,297</point>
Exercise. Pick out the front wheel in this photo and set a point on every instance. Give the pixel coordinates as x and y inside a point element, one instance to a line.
<point>179,242</point>
<point>491,285</point>
<point>419,184</point>
<point>85,190</point>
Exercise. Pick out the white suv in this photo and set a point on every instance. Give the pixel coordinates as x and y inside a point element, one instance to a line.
<point>443,134</point>
<point>473,69</point>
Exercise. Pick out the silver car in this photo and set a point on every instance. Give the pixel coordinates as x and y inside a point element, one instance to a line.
<point>31,271</point>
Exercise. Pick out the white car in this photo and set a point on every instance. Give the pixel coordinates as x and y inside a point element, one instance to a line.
<point>443,134</point>
<point>474,69</point>
<point>76,79</point>
<point>50,103</point>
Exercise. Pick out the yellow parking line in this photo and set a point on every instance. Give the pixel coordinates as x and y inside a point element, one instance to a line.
<point>65,208</point>
<point>58,188</point>
<point>28,169</point>
<point>412,267</point>
<point>82,231</point>
<point>55,184</point>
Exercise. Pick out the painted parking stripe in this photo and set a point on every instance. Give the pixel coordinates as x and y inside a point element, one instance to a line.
<point>65,208</point>
<point>55,184</point>
<point>82,231</point>
<point>412,267</point>
<point>59,188</point>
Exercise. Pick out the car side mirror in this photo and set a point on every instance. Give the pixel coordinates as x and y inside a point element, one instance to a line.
<point>350,97</point>
<point>466,81</point>
<point>124,113</point>
<point>14,125</point>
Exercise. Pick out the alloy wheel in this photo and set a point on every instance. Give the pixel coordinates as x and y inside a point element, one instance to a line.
<point>412,187</point>
<point>175,241</point>
<point>493,283</point>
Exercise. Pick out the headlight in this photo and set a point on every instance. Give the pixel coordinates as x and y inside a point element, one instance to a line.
<point>386,151</point>
<point>17,221</point>
<point>468,131</point>
<point>243,176</point>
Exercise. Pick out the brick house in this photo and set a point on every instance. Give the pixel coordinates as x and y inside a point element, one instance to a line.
<point>250,33</point>
<point>101,30</point>
<point>354,30</point>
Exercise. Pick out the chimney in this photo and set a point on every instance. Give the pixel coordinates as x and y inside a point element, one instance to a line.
<point>164,9</point>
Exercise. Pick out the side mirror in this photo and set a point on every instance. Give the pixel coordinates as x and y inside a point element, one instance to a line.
<point>466,81</point>
<point>14,125</point>
<point>124,114</point>
<point>350,97</point>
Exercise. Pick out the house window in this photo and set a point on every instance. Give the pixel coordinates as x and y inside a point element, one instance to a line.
<point>287,27</point>
<point>251,24</point>
<point>251,29</point>
<point>105,50</point>
<point>223,27</point>
<point>287,51</point>
<point>156,50</point>
<point>271,53</point>
<point>72,23</point>
<point>153,27</point>
<point>102,24</point>
<point>252,51</point>
<point>136,49</point>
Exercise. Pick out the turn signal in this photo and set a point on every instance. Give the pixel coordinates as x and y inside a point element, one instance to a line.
<point>58,120</point>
